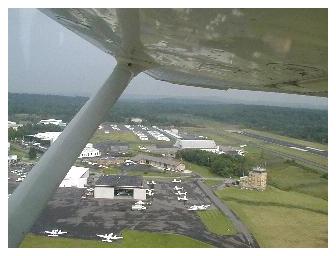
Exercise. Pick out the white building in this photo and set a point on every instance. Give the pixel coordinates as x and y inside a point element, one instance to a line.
<point>53,121</point>
<point>46,136</point>
<point>89,151</point>
<point>120,187</point>
<point>13,125</point>
<point>208,145</point>
<point>136,120</point>
<point>76,177</point>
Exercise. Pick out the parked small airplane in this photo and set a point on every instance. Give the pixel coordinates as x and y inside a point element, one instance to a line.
<point>138,207</point>
<point>179,193</point>
<point>151,182</point>
<point>177,188</point>
<point>19,179</point>
<point>198,207</point>
<point>55,232</point>
<point>176,181</point>
<point>140,203</point>
<point>109,237</point>
<point>90,189</point>
<point>182,198</point>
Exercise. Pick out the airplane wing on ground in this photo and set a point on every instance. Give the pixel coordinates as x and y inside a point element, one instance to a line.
<point>279,50</point>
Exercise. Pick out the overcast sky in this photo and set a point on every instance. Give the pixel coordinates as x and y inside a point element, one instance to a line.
<point>46,58</point>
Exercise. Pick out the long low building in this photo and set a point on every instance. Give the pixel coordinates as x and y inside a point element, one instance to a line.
<point>161,162</point>
<point>208,145</point>
<point>120,187</point>
<point>76,177</point>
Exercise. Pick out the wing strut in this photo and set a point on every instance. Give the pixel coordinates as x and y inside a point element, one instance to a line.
<point>30,198</point>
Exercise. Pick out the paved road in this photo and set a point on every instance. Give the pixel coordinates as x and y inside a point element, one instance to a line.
<point>312,150</point>
<point>240,227</point>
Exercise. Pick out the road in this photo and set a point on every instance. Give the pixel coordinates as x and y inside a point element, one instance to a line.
<point>240,227</point>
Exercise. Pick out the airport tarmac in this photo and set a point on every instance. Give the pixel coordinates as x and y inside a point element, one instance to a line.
<point>315,151</point>
<point>84,218</point>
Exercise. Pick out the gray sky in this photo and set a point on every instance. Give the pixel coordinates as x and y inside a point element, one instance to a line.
<point>46,58</point>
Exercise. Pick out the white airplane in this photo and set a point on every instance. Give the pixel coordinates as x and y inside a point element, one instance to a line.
<point>90,189</point>
<point>109,237</point>
<point>138,207</point>
<point>140,203</point>
<point>176,181</point>
<point>151,182</point>
<point>198,207</point>
<point>19,179</point>
<point>177,188</point>
<point>179,193</point>
<point>182,198</point>
<point>55,232</point>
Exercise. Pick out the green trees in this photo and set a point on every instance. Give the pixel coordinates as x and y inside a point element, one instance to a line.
<point>32,153</point>
<point>223,165</point>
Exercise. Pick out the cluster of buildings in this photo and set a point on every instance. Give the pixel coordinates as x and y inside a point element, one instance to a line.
<point>163,163</point>
<point>89,151</point>
<point>14,125</point>
<point>256,179</point>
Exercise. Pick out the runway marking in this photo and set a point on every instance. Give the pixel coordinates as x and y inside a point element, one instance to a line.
<point>316,149</point>
<point>301,149</point>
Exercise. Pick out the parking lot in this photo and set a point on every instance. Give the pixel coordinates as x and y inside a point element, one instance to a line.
<point>84,218</point>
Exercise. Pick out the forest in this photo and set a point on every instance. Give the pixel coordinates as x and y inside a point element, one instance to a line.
<point>307,124</point>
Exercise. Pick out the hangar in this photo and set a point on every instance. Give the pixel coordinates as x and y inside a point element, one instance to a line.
<point>120,187</point>
<point>160,162</point>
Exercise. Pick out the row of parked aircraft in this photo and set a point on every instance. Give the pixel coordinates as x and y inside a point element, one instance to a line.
<point>179,193</point>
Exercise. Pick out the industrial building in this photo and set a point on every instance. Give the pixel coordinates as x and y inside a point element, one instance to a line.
<point>256,179</point>
<point>13,125</point>
<point>44,138</point>
<point>76,177</point>
<point>89,151</point>
<point>53,121</point>
<point>120,187</point>
<point>208,145</point>
<point>112,148</point>
<point>160,162</point>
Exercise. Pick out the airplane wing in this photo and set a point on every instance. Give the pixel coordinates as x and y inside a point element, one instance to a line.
<point>278,50</point>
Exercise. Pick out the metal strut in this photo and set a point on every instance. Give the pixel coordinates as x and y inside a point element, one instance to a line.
<point>29,199</point>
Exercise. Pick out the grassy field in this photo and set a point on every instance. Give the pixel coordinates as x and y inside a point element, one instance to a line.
<point>201,170</point>
<point>294,178</point>
<point>16,150</point>
<point>280,218</point>
<point>111,170</point>
<point>216,222</point>
<point>132,239</point>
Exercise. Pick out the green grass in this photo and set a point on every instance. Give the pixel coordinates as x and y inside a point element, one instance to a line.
<point>294,178</point>
<point>17,150</point>
<point>216,222</point>
<point>211,183</point>
<point>111,170</point>
<point>132,239</point>
<point>201,170</point>
<point>280,218</point>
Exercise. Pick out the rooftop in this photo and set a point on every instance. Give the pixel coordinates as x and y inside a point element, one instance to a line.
<point>200,144</point>
<point>76,172</point>
<point>119,181</point>
<point>168,161</point>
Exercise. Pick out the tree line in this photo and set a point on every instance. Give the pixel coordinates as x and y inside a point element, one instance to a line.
<point>223,165</point>
<point>306,124</point>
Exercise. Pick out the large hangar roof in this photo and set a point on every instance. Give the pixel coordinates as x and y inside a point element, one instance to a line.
<point>119,181</point>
